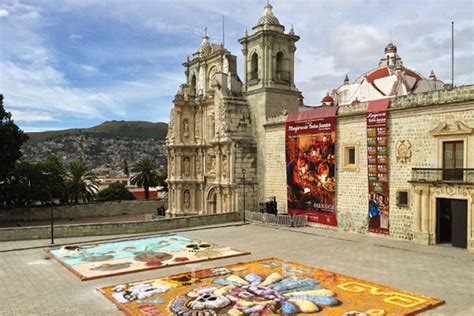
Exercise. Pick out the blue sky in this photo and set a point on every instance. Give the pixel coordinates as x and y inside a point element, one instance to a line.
<point>78,63</point>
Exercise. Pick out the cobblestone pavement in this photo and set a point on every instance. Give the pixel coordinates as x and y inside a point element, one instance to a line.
<point>32,285</point>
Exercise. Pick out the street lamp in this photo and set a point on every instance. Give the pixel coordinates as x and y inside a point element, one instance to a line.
<point>45,173</point>
<point>243,174</point>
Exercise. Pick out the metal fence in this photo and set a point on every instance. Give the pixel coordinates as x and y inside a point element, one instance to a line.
<point>280,220</point>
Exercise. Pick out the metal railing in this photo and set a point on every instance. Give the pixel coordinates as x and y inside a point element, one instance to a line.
<point>443,175</point>
<point>279,219</point>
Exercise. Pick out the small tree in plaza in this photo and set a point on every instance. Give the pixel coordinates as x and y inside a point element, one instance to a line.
<point>146,175</point>
<point>81,182</point>
<point>115,192</point>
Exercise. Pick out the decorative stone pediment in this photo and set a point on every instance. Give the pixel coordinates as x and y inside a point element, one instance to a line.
<point>403,151</point>
<point>456,128</point>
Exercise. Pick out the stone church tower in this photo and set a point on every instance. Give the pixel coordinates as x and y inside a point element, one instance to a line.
<point>209,143</point>
<point>269,58</point>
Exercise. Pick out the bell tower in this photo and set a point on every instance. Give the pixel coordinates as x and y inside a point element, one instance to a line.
<point>269,59</point>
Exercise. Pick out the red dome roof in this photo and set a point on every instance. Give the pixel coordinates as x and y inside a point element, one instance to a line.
<point>385,72</point>
<point>327,98</point>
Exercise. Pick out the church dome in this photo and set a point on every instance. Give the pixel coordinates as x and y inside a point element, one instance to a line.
<point>268,18</point>
<point>327,100</point>
<point>390,79</point>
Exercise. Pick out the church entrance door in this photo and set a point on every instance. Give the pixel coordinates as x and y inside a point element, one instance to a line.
<point>451,222</point>
<point>212,202</point>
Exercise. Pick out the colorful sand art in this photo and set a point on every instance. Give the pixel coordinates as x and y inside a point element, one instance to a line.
<point>268,286</point>
<point>93,261</point>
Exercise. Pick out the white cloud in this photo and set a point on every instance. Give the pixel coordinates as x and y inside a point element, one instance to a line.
<point>41,87</point>
<point>124,73</point>
<point>4,12</point>
<point>74,37</point>
<point>28,116</point>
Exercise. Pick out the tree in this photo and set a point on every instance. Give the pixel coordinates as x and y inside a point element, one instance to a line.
<point>81,182</point>
<point>146,175</point>
<point>125,167</point>
<point>29,183</point>
<point>11,140</point>
<point>52,175</point>
<point>115,192</point>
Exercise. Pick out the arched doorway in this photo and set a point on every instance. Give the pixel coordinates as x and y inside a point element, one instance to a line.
<point>212,202</point>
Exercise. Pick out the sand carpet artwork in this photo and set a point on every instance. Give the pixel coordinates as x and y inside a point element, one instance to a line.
<point>267,286</point>
<point>92,261</point>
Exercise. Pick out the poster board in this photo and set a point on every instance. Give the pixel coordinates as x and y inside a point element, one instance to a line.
<point>377,165</point>
<point>311,164</point>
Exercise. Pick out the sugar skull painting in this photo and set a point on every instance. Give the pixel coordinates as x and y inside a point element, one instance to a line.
<point>268,286</point>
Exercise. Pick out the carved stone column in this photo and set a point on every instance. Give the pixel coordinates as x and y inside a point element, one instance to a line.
<point>218,164</point>
<point>417,206</point>
<point>425,210</point>
<point>177,127</point>
<point>179,199</point>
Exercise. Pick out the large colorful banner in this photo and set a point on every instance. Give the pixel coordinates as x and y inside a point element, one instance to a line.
<point>311,162</point>
<point>377,162</point>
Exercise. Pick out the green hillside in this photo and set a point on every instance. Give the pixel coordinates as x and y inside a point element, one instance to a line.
<point>132,129</point>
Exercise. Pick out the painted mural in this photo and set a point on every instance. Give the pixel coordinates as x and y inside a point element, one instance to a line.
<point>311,165</point>
<point>377,165</point>
<point>267,286</point>
<point>91,261</point>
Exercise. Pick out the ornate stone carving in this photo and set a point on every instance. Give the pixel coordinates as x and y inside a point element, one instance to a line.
<point>185,128</point>
<point>451,190</point>
<point>197,133</point>
<point>171,161</point>
<point>170,135</point>
<point>225,167</point>
<point>186,199</point>
<point>225,202</point>
<point>186,166</point>
<point>198,165</point>
<point>456,128</point>
<point>212,127</point>
<point>403,151</point>
<point>211,162</point>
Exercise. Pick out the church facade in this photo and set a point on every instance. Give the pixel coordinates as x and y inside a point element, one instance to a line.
<point>230,148</point>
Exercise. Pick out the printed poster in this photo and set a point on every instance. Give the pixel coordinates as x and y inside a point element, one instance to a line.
<point>311,162</point>
<point>377,160</point>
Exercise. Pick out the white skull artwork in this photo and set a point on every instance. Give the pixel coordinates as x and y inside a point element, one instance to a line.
<point>209,301</point>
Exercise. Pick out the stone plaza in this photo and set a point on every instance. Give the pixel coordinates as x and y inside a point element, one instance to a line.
<point>33,285</point>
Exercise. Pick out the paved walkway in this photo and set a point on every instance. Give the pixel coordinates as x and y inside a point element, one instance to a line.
<point>32,285</point>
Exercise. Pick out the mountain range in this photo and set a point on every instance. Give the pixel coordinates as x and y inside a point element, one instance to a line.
<point>104,147</point>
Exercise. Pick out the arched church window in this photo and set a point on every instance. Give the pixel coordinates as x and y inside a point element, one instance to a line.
<point>212,76</point>
<point>279,66</point>
<point>193,84</point>
<point>254,67</point>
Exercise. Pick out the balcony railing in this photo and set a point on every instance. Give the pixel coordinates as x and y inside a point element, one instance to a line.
<point>443,175</point>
